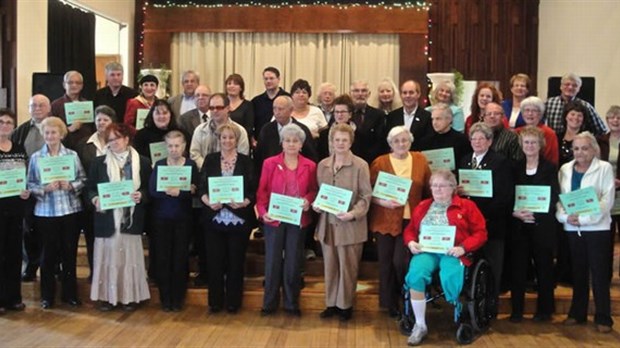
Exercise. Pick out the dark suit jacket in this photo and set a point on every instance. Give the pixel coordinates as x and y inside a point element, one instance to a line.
<point>104,221</point>
<point>188,122</point>
<point>420,127</point>
<point>498,209</point>
<point>371,134</point>
<point>269,144</point>
<point>244,167</point>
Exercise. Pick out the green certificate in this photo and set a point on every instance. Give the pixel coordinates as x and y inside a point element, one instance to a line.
<point>286,209</point>
<point>476,183</point>
<point>392,187</point>
<point>533,198</point>
<point>159,150</point>
<point>333,199</point>
<point>226,189</point>
<point>12,182</point>
<point>140,117</point>
<point>57,168</point>
<point>582,202</point>
<point>615,210</point>
<point>174,177</point>
<point>436,239</point>
<point>115,194</point>
<point>79,112</point>
<point>440,158</point>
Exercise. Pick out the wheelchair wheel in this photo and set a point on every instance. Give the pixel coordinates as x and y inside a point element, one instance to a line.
<point>405,324</point>
<point>465,334</point>
<point>482,304</point>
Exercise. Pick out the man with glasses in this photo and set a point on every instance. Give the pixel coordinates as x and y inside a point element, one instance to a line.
<point>29,135</point>
<point>205,140</point>
<point>200,114</point>
<point>185,101</point>
<point>505,141</point>
<point>370,122</point>
<point>73,83</point>
<point>554,107</point>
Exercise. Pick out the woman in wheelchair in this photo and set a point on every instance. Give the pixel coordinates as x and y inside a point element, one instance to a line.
<point>457,219</point>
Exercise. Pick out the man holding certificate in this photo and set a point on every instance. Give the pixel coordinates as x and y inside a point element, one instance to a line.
<point>462,230</point>
<point>119,276</point>
<point>173,183</point>
<point>342,231</point>
<point>291,177</point>
<point>588,234</point>
<point>56,178</point>
<point>228,194</point>
<point>74,110</point>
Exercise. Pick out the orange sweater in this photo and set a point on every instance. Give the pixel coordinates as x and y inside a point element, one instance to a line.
<point>390,221</point>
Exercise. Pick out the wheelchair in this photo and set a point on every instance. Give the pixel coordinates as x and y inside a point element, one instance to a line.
<point>479,305</point>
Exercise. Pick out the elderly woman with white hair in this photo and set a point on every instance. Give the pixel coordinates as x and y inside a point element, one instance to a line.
<point>290,174</point>
<point>445,92</point>
<point>388,218</point>
<point>387,98</point>
<point>532,110</point>
<point>588,234</point>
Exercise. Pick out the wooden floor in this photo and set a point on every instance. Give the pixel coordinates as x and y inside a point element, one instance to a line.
<point>86,327</point>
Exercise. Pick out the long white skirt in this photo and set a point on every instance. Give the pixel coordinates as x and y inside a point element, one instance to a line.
<point>119,275</point>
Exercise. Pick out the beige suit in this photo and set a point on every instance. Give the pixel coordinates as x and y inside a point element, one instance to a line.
<point>342,241</point>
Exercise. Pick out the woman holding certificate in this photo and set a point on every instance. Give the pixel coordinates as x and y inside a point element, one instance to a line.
<point>55,179</point>
<point>287,186</point>
<point>13,193</point>
<point>588,233</point>
<point>118,273</point>
<point>149,141</point>
<point>228,219</point>
<point>533,229</point>
<point>343,234</point>
<point>172,184</point>
<point>389,216</point>
<point>146,98</point>
<point>461,223</point>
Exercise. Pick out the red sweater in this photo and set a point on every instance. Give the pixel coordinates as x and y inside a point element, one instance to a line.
<point>471,231</point>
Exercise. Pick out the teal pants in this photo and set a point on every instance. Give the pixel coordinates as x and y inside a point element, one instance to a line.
<point>451,274</point>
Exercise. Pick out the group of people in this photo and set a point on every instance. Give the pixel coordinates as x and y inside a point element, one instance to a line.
<point>280,144</point>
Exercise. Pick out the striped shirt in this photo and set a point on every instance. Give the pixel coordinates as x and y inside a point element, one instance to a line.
<point>554,108</point>
<point>60,202</point>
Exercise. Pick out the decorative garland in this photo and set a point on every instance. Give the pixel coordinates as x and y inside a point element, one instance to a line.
<point>342,4</point>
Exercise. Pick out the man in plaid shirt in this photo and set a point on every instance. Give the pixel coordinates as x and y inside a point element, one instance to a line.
<point>554,107</point>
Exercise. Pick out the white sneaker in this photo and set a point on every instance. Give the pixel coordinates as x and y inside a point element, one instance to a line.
<point>417,335</point>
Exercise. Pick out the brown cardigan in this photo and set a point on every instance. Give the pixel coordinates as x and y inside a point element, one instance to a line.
<point>353,176</point>
<point>603,143</point>
<point>390,221</point>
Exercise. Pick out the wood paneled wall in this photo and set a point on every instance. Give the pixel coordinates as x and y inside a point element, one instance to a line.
<point>485,39</point>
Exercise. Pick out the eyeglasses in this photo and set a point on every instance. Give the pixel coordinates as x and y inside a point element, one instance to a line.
<point>440,186</point>
<point>217,107</point>
<point>8,123</point>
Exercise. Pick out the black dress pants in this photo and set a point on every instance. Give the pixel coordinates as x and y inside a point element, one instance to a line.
<point>171,238</point>
<point>10,258</point>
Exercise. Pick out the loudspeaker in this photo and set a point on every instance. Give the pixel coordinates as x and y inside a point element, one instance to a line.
<point>586,92</point>
<point>48,84</point>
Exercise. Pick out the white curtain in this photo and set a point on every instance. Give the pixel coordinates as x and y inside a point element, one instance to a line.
<point>336,58</point>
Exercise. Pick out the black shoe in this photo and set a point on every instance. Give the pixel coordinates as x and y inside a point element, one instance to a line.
<point>105,306</point>
<point>215,309</point>
<point>393,313</point>
<point>346,314</point>
<point>17,307</point>
<point>293,312</point>
<point>2,311</point>
<point>267,312</point>
<point>541,318</point>
<point>516,318</point>
<point>130,307</point>
<point>29,276</point>
<point>328,312</point>
<point>302,283</point>
<point>166,308</point>
<point>232,309</point>
<point>177,308</point>
<point>45,304</point>
<point>74,302</point>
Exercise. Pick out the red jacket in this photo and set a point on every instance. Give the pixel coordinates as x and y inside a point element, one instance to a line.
<point>471,231</point>
<point>272,180</point>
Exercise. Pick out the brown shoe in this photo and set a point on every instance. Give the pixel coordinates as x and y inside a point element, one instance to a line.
<point>603,328</point>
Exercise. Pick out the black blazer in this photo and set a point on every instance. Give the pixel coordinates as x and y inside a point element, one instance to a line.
<point>456,140</point>
<point>420,127</point>
<point>104,221</point>
<point>371,134</point>
<point>269,143</point>
<point>244,167</point>
<point>546,174</point>
<point>497,209</point>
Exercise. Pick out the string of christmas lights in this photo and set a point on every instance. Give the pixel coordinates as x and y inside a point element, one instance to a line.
<point>419,5</point>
